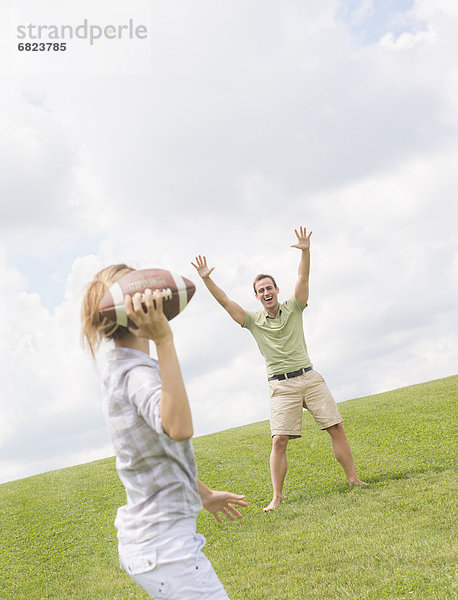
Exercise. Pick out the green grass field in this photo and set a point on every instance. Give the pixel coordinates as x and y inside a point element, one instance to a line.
<point>394,539</point>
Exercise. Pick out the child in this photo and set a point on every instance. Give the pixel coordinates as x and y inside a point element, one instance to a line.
<point>149,420</point>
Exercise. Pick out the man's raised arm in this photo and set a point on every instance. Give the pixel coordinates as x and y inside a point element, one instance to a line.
<point>301,291</point>
<point>235,310</point>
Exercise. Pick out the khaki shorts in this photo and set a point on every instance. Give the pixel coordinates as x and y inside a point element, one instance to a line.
<point>289,396</point>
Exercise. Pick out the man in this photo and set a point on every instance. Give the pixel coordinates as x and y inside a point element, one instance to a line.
<point>293,383</point>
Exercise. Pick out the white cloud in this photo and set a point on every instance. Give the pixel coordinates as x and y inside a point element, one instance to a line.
<point>51,398</point>
<point>40,188</point>
<point>407,40</point>
<point>430,9</point>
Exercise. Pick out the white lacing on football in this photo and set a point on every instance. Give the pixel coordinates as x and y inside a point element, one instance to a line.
<point>166,294</point>
<point>119,306</point>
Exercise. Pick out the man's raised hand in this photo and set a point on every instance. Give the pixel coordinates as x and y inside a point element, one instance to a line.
<point>303,240</point>
<point>201,266</point>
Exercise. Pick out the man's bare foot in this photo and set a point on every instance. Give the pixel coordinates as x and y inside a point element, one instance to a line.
<point>273,505</point>
<point>357,482</point>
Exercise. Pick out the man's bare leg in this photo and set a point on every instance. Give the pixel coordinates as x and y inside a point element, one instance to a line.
<point>278,468</point>
<point>342,452</point>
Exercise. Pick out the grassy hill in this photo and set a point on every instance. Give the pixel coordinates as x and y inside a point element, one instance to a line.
<point>392,540</point>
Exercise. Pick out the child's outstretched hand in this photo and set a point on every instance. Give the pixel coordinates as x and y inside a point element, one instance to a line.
<point>216,502</point>
<point>147,314</point>
<point>222,502</point>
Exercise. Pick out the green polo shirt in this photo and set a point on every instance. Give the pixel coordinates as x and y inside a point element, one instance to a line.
<point>280,339</point>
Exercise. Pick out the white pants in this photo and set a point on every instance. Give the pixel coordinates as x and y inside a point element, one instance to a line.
<point>190,579</point>
<point>173,567</point>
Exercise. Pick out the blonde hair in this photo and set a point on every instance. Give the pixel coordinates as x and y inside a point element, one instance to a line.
<point>94,327</point>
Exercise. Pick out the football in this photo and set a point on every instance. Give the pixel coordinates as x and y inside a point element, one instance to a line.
<point>176,291</point>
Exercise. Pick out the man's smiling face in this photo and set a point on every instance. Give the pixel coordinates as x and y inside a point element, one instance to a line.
<point>267,293</point>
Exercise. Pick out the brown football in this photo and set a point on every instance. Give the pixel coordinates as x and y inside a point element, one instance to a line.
<point>176,290</point>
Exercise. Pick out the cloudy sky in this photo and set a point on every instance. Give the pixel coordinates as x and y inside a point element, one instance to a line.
<point>229,126</point>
